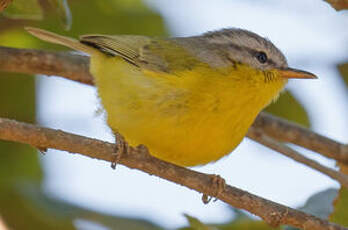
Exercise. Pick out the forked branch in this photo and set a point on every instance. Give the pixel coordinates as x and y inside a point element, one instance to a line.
<point>138,158</point>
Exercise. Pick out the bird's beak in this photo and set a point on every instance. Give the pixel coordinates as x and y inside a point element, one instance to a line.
<point>295,73</point>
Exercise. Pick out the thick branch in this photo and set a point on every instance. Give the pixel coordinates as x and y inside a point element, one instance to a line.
<point>338,4</point>
<point>75,67</point>
<point>72,66</point>
<point>262,138</point>
<point>137,158</point>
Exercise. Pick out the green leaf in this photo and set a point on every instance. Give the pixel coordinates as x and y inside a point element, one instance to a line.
<point>343,68</point>
<point>289,108</point>
<point>195,224</point>
<point>63,212</point>
<point>240,222</point>
<point>40,211</point>
<point>24,9</point>
<point>247,225</point>
<point>115,17</point>
<point>19,212</point>
<point>340,213</point>
<point>19,163</point>
<point>63,11</point>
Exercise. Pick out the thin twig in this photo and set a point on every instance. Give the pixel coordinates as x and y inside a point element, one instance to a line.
<point>273,213</point>
<point>287,131</point>
<point>260,137</point>
<point>75,67</point>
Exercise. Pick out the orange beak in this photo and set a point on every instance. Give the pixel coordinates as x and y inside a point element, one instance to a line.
<point>295,73</point>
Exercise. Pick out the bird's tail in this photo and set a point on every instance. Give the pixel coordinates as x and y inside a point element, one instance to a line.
<point>58,39</point>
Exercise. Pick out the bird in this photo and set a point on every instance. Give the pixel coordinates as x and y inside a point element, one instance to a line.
<point>189,100</point>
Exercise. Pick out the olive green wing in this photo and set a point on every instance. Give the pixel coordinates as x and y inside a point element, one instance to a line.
<point>143,52</point>
<point>164,55</point>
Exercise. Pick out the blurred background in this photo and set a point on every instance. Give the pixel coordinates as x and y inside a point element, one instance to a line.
<point>75,192</point>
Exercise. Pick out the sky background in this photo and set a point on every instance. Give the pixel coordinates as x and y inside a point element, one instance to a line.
<point>312,35</point>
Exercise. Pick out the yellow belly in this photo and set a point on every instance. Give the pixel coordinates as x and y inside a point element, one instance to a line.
<point>187,118</point>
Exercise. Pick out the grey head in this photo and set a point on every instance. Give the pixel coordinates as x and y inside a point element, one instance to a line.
<point>232,46</point>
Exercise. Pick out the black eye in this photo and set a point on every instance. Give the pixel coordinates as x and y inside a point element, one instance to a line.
<point>261,57</point>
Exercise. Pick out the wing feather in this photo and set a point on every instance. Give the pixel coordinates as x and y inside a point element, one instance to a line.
<point>125,46</point>
<point>159,55</point>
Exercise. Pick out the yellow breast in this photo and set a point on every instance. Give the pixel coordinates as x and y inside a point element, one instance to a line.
<point>187,118</point>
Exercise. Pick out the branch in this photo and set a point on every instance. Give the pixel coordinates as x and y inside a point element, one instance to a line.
<point>136,158</point>
<point>338,4</point>
<point>75,67</point>
<point>263,139</point>
<point>72,66</point>
<point>287,131</point>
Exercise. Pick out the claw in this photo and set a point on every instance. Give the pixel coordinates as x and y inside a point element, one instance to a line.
<point>219,185</point>
<point>121,148</point>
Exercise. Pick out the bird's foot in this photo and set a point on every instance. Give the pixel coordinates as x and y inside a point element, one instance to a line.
<point>121,147</point>
<point>218,185</point>
<point>142,149</point>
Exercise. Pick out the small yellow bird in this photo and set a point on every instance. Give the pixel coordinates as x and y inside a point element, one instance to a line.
<point>190,100</point>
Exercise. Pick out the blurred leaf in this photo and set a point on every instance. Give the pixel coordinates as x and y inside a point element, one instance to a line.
<point>24,9</point>
<point>340,213</point>
<point>343,68</point>
<point>63,213</point>
<point>4,4</point>
<point>320,204</point>
<point>17,97</point>
<point>19,163</point>
<point>21,213</point>
<point>239,215</point>
<point>119,223</point>
<point>104,17</point>
<point>195,224</point>
<point>115,17</point>
<point>63,11</point>
<point>243,223</point>
<point>338,4</point>
<point>246,225</point>
<point>40,211</point>
<point>289,108</point>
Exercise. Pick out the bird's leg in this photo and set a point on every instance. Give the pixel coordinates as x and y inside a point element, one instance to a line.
<point>218,185</point>
<point>121,148</point>
<point>143,150</point>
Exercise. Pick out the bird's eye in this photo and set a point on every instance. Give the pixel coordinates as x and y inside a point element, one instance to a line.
<point>261,57</point>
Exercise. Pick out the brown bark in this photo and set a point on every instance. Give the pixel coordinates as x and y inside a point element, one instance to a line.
<point>138,158</point>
